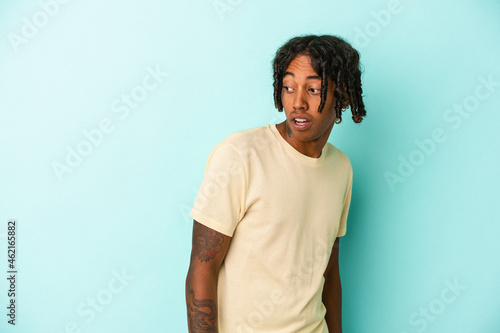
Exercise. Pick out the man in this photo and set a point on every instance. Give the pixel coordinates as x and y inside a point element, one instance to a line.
<point>273,202</point>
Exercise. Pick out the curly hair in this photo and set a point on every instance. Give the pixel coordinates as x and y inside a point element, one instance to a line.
<point>331,57</point>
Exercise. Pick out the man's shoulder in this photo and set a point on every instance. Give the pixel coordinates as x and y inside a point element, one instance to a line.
<point>338,155</point>
<point>243,139</point>
<point>239,144</point>
<point>245,133</point>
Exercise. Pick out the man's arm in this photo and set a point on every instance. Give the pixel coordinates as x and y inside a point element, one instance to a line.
<point>332,292</point>
<point>208,251</point>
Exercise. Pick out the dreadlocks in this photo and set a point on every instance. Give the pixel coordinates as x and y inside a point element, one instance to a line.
<point>331,57</point>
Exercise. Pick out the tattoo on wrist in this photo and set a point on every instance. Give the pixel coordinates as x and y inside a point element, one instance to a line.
<point>198,320</point>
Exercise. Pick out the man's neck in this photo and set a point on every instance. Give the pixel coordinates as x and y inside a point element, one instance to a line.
<point>310,148</point>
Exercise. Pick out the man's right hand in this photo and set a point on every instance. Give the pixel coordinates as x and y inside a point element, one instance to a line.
<point>209,249</point>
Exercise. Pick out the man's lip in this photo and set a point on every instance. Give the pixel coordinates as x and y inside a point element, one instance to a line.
<point>307,119</point>
<point>301,126</point>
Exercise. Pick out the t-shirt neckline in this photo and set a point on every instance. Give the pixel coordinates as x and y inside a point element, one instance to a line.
<point>294,152</point>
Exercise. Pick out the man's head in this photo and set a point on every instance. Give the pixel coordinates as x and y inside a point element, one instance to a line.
<point>333,59</point>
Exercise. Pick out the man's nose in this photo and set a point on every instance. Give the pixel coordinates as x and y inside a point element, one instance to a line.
<point>299,101</point>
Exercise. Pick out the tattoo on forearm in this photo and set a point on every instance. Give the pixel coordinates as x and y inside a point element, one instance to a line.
<point>201,321</point>
<point>288,130</point>
<point>208,243</point>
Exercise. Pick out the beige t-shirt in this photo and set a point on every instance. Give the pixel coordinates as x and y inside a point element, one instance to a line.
<point>284,211</point>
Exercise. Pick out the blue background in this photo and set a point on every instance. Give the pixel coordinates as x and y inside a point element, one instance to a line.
<point>123,209</point>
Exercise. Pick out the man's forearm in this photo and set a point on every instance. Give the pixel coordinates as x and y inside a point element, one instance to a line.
<point>332,299</point>
<point>201,301</point>
<point>208,253</point>
<point>333,304</point>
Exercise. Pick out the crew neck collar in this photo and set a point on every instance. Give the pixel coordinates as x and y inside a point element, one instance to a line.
<point>294,152</point>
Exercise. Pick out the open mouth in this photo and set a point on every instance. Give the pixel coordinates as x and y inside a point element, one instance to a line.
<point>301,123</point>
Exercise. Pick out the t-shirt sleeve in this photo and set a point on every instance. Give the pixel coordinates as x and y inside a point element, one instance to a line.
<point>220,202</point>
<point>345,209</point>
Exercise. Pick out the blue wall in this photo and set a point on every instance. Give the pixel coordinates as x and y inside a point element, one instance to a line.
<point>109,109</point>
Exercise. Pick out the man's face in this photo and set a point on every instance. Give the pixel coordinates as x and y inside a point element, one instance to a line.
<point>301,97</point>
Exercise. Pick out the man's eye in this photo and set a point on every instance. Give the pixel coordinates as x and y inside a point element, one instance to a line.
<point>288,89</point>
<point>315,91</point>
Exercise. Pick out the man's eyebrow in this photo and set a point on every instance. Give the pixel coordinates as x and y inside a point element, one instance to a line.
<point>315,77</point>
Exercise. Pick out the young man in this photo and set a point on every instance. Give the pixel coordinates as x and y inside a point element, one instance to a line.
<point>273,202</point>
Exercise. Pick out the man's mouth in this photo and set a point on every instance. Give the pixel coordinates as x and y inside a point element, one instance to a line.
<point>301,123</point>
